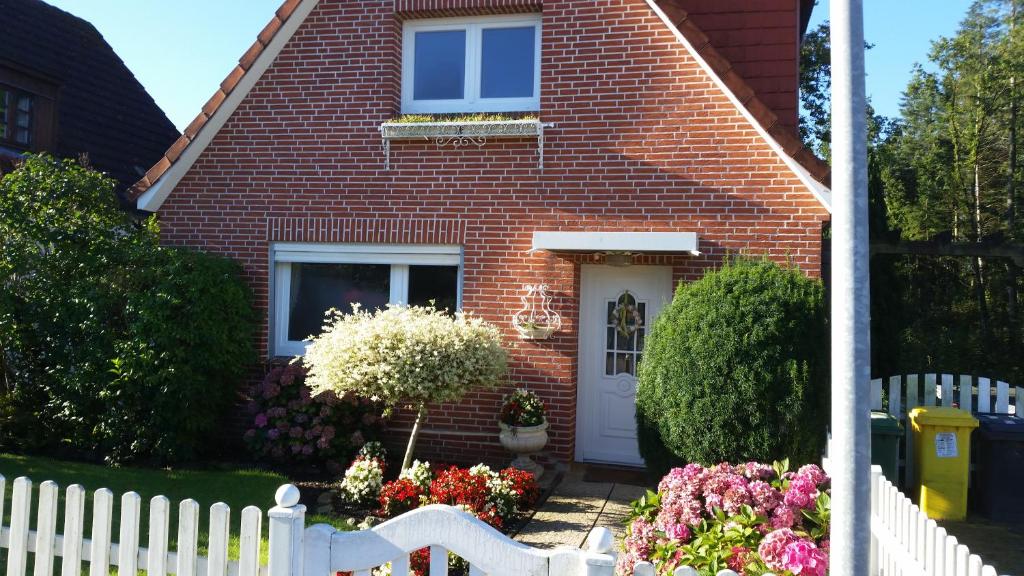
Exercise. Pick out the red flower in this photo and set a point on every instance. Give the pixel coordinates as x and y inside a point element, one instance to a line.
<point>524,484</point>
<point>399,496</point>
<point>457,487</point>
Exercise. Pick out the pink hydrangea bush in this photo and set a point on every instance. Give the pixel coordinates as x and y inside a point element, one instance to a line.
<point>292,426</point>
<point>750,518</point>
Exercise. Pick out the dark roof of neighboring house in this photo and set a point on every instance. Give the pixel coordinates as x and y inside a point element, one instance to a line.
<point>102,110</point>
<point>791,144</point>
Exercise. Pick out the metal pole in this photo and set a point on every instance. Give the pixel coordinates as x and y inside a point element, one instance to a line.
<point>851,373</point>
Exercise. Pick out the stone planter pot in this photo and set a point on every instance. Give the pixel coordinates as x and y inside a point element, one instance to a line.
<point>524,441</point>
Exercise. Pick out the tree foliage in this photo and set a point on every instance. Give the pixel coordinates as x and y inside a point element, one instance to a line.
<point>411,355</point>
<point>735,369</point>
<point>945,171</point>
<point>111,346</point>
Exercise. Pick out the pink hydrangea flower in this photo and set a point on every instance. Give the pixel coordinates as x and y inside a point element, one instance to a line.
<point>735,498</point>
<point>814,473</point>
<point>260,420</point>
<point>801,493</point>
<point>804,558</point>
<point>773,546</point>
<point>739,558</point>
<point>765,497</point>
<point>678,532</point>
<point>783,517</point>
<point>757,471</point>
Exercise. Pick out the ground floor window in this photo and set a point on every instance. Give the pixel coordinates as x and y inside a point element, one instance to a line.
<point>309,279</point>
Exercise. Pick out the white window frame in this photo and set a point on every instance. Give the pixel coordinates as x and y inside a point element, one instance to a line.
<point>398,256</point>
<point>471,101</point>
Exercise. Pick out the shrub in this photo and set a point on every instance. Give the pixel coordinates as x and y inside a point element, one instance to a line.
<point>751,518</point>
<point>414,355</point>
<point>110,345</point>
<point>735,368</point>
<point>289,425</point>
<point>186,346</point>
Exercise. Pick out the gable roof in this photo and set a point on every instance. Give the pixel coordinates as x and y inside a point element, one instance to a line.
<point>158,182</point>
<point>102,110</point>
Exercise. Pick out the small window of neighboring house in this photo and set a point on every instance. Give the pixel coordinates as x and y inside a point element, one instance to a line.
<point>310,279</point>
<point>16,117</point>
<point>456,65</point>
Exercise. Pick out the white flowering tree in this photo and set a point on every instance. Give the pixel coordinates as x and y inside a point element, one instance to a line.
<point>405,356</point>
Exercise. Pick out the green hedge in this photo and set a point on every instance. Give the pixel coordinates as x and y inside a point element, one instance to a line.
<point>735,369</point>
<point>111,346</point>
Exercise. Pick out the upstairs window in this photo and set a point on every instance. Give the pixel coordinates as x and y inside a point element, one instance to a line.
<point>15,117</point>
<point>456,65</point>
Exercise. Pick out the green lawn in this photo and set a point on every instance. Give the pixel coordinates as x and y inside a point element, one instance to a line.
<point>236,488</point>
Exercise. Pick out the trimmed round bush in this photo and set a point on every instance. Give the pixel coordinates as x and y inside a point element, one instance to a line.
<point>735,369</point>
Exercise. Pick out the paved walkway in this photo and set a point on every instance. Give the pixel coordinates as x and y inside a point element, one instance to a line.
<point>577,506</point>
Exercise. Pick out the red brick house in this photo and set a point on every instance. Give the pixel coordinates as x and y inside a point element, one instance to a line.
<point>644,141</point>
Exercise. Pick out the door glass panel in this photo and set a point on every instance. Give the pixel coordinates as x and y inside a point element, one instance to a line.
<point>507,62</point>
<point>440,69</point>
<point>626,324</point>
<point>434,285</point>
<point>317,288</point>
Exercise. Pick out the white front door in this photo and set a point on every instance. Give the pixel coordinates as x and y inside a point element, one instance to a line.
<point>616,306</point>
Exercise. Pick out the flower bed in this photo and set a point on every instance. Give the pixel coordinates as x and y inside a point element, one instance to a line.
<point>495,497</point>
<point>751,518</point>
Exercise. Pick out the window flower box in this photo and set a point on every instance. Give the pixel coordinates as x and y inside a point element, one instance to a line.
<point>461,133</point>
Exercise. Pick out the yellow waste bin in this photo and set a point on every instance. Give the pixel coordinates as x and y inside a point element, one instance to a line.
<point>942,454</point>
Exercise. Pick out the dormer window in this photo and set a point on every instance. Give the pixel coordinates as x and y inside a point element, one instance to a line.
<point>15,117</point>
<point>489,64</point>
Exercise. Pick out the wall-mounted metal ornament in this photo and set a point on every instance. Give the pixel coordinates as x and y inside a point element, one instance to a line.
<point>536,320</point>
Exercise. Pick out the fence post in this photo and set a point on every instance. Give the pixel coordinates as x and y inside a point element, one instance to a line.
<point>287,525</point>
<point>876,478</point>
<point>599,547</point>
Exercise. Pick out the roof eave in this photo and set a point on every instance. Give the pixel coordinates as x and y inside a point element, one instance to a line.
<point>817,188</point>
<point>152,190</point>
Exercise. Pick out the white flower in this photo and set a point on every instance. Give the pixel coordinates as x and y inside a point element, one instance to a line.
<point>483,470</point>
<point>363,480</point>
<point>419,473</point>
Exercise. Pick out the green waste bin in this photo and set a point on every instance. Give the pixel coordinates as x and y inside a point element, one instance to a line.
<point>886,434</point>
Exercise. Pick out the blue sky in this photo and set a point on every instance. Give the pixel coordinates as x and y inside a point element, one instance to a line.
<point>181,49</point>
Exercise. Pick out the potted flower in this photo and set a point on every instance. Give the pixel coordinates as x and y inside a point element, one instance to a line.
<point>523,429</point>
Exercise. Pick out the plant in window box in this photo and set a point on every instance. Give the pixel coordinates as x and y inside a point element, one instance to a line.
<point>523,429</point>
<point>536,320</point>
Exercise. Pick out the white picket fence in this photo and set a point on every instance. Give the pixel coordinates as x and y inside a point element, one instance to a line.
<point>966,391</point>
<point>294,549</point>
<point>904,541</point>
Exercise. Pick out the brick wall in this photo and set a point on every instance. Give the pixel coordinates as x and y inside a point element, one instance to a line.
<point>643,140</point>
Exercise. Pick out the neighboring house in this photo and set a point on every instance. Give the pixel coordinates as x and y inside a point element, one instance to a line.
<point>660,149</point>
<point>63,90</point>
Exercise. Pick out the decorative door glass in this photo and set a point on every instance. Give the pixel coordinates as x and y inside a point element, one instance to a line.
<point>624,334</point>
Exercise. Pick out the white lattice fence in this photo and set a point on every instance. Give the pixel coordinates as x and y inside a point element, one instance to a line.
<point>975,394</point>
